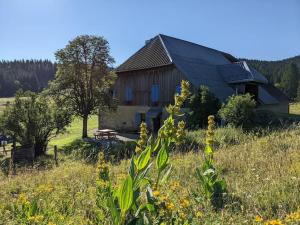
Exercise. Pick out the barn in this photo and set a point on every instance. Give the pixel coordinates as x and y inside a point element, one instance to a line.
<point>148,80</point>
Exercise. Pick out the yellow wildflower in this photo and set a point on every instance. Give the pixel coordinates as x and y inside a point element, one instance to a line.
<point>258,219</point>
<point>182,215</point>
<point>35,219</point>
<point>184,203</point>
<point>274,222</point>
<point>293,217</point>
<point>199,214</point>
<point>141,143</point>
<point>174,185</point>
<point>170,206</point>
<point>156,193</point>
<point>50,223</point>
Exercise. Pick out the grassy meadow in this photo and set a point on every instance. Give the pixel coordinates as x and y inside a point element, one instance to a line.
<point>74,131</point>
<point>4,101</point>
<point>261,170</point>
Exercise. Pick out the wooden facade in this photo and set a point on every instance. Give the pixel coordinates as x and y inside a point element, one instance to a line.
<point>167,78</point>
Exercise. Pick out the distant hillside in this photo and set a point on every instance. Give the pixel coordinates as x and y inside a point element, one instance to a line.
<point>25,74</point>
<point>273,70</point>
<point>34,75</point>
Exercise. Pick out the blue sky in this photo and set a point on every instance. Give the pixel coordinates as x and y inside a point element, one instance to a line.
<point>260,29</point>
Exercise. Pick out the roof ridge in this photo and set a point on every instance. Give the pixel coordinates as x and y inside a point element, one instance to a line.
<point>165,48</point>
<point>193,43</point>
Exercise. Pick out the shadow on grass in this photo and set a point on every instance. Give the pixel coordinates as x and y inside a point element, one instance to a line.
<point>88,150</point>
<point>42,162</point>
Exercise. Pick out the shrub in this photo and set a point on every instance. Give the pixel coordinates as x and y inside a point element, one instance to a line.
<point>202,104</point>
<point>33,120</point>
<point>224,136</point>
<point>238,111</point>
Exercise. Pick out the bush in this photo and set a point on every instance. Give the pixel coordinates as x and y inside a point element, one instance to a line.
<point>202,104</point>
<point>238,111</point>
<point>33,120</point>
<point>224,137</point>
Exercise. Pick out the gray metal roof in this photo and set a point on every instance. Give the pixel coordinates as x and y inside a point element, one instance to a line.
<point>208,76</point>
<point>236,73</point>
<point>271,95</point>
<point>201,65</point>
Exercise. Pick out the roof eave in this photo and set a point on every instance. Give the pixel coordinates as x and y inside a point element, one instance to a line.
<point>148,68</point>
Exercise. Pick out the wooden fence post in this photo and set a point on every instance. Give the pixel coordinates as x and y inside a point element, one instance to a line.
<point>12,166</point>
<point>55,155</point>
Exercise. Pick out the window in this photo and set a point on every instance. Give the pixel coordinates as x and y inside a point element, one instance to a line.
<point>139,118</point>
<point>178,89</point>
<point>155,94</point>
<point>143,117</point>
<point>128,95</point>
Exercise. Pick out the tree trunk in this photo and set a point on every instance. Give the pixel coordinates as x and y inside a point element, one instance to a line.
<point>99,119</point>
<point>84,126</point>
<point>40,147</point>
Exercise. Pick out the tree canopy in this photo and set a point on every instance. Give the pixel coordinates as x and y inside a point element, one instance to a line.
<point>202,104</point>
<point>84,77</point>
<point>32,120</point>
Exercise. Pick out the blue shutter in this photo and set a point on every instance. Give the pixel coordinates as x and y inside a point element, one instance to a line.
<point>178,89</point>
<point>155,93</point>
<point>137,119</point>
<point>128,94</point>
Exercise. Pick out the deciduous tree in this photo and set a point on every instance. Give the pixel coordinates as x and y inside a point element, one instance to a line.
<point>84,77</point>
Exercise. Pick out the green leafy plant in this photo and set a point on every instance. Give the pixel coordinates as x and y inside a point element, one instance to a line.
<point>201,105</point>
<point>212,187</point>
<point>134,200</point>
<point>238,111</point>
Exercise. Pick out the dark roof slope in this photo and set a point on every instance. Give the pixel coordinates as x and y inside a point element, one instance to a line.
<point>153,54</point>
<point>275,93</point>
<point>186,49</point>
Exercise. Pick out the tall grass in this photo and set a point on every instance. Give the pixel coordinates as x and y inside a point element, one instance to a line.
<point>262,176</point>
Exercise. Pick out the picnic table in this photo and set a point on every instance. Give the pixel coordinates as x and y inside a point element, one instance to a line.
<point>105,133</point>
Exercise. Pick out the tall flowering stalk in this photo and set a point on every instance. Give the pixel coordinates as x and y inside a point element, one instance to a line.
<point>135,200</point>
<point>212,187</point>
<point>104,191</point>
<point>142,141</point>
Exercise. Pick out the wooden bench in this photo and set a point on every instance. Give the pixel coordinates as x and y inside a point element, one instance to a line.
<point>105,133</point>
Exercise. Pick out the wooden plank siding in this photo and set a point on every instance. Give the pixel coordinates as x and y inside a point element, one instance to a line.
<point>141,81</point>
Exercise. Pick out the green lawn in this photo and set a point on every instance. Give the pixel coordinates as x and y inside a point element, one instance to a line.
<point>74,132</point>
<point>295,108</point>
<point>3,102</point>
